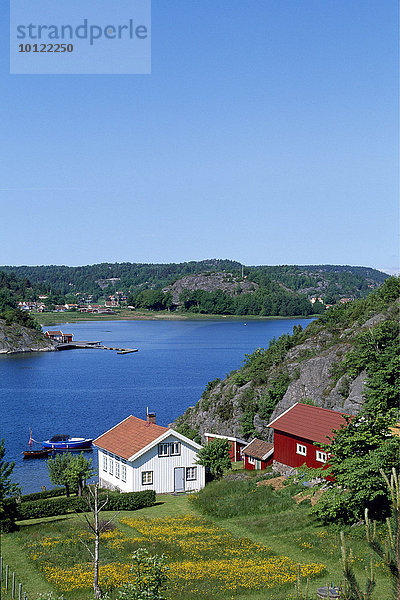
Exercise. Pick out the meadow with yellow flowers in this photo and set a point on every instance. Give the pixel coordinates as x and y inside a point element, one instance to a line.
<point>247,557</point>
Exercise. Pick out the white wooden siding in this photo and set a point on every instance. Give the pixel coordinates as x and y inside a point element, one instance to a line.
<point>162,467</point>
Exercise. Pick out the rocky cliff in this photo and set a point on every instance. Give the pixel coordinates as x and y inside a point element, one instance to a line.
<point>313,366</point>
<point>210,282</point>
<point>17,338</point>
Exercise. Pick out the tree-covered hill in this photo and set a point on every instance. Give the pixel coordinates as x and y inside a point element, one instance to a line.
<point>330,282</point>
<point>12,291</point>
<point>346,359</point>
<point>94,279</point>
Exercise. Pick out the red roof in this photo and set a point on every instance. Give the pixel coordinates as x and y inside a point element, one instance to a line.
<point>129,436</point>
<point>309,422</point>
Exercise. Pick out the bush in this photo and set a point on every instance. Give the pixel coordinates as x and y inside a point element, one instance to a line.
<point>42,495</point>
<point>226,499</point>
<point>37,509</point>
<point>130,500</point>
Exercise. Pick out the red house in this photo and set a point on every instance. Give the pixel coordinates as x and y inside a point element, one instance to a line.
<point>258,455</point>
<point>296,430</point>
<point>237,445</point>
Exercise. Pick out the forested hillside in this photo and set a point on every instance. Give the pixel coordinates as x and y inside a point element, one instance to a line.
<point>347,358</point>
<point>13,290</point>
<point>19,332</point>
<point>94,279</point>
<point>226,287</point>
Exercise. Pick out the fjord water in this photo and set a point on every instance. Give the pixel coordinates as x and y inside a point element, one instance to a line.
<point>85,392</point>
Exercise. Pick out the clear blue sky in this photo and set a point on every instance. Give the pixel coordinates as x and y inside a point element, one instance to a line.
<point>266,133</point>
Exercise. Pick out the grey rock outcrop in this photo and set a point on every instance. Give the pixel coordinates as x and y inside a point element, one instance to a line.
<point>16,338</point>
<point>210,282</point>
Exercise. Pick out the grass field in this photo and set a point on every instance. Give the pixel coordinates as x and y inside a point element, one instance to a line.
<point>52,318</point>
<point>245,557</point>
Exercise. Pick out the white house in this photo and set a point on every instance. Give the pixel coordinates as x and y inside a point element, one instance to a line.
<point>139,455</point>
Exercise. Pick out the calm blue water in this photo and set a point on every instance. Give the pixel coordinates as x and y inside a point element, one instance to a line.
<point>85,392</point>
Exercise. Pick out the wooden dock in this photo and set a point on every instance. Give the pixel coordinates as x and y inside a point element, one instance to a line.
<point>94,346</point>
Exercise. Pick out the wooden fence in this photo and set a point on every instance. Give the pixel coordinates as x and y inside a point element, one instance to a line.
<point>8,584</point>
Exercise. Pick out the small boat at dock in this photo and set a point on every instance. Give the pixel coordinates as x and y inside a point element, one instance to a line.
<point>65,442</point>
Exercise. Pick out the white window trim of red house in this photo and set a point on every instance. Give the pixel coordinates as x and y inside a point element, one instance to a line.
<point>301,449</point>
<point>321,456</point>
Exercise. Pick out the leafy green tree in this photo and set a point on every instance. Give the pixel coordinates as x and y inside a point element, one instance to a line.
<point>80,470</point>
<point>8,491</point>
<point>357,454</point>
<point>58,468</point>
<point>70,471</point>
<point>215,456</point>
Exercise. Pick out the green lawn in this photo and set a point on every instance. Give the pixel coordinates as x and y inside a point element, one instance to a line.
<point>173,524</point>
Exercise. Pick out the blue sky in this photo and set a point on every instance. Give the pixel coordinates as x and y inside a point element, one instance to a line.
<point>267,133</point>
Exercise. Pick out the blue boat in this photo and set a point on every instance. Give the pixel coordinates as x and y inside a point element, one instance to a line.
<point>65,442</point>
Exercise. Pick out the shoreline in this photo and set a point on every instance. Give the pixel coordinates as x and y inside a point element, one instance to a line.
<point>46,319</point>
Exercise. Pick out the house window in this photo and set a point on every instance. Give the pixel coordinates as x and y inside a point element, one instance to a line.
<point>191,473</point>
<point>321,456</point>
<point>123,472</point>
<point>111,466</point>
<point>104,462</point>
<point>117,469</point>
<point>175,448</point>
<point>252,461</point>
<point>147,477</point>
<point>163,449</point>
<point>301,450</point>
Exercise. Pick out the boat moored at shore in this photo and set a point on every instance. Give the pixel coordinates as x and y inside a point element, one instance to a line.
<point>65,442</point>
<point>44,453</point>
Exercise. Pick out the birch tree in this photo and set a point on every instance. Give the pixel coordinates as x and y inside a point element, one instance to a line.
<point>93,525</point>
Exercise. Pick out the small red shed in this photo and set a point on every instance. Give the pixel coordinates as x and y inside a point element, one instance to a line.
<point>258,455</point>
<point>296,430</point>
<point>237,445</point>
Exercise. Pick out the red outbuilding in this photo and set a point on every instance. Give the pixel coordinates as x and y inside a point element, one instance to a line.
<point>237,445</point>
<point>296,431</point>
<point>258,455</point>
<point>59,336</point>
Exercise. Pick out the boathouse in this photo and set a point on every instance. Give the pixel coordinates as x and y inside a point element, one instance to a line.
<point>237,445</point>
<point>258,454</point>
<point>299,430</point>
<point>59,336</point>
<point>138,454</point>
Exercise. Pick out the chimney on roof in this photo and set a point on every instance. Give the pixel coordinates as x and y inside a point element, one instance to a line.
<point>151,418</point>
